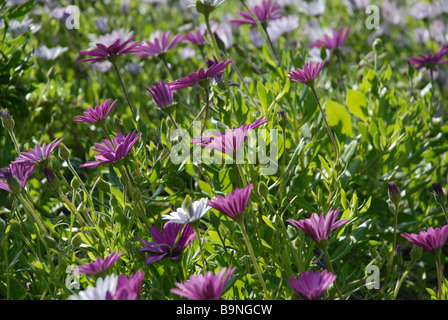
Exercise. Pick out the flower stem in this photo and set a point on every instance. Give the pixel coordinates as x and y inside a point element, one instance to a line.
<point>252,254</point>
<point>328,127</point>
<point>324,249</point>
<point>439,266</point>
<point>283,164</point>
<point>394,241</point>
<point>207,97</point>
<point>204,266</point>
<point>123,87</point>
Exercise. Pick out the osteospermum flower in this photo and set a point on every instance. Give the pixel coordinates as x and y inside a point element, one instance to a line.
<point>430,61</point>
<point>100,265</point>
<point>112,152</point>
<point>307,74</point>
<point>204,287</point>
<point>267,10</point>
<point>169,245</point>
<point>110,45</point>
<point>113,287</point>
<point>192,215</point>
<point>201,77</point>
<point>234,204</point>
<point>15,172</point>
<point>195,37</point>
<point>230,141</point>
<point>162,94</point>
<point>312,285</point>
<point>97,114</point>
<point>38,154</point>
<point>333,42</point>
<point>319,227</point>
<point>431,239</point>
<point>159,43</point>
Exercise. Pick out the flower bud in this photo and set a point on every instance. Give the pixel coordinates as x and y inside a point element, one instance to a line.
<point>13,183</point>
<point>263,189</point>
<point>439,195</point>
<point>75,184</point>
<point>7,121</point>
<point>416,252</point>
<point>187,202</point>
<point>52,181</point>
<point>76,241</point>
<point>64,153</point>
<point>394,193</point>
<point>323,53</point>
<point>282,119</point>
<point>377,44</point>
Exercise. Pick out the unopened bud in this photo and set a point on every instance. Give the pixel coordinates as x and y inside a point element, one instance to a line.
<point>13,183</point>
<point>76,241</point>
<point>263,189</point>
<point>416,252</point>
<point>75,184</point>
<point>7,121</point>
<point>394,193</point>
<point>377,44</point>
<point>439,195</point>
<point>103,186</point>
<point>323,53</point>
<point>52,181</point>
<point>282,119</point>
<point>64,153</point>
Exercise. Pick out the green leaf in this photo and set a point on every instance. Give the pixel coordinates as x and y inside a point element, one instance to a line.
<point>339,118</point>
<point>262,95</point>
<point>268,222</point>
<point>357,104</point>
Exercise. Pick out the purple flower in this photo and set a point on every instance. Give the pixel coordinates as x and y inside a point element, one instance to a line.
<point>307,74</point>
<point>211,63</point>
<point>38,155</point>
<point>171,245</point>
<point>111,152</point>
<point>195,37</point>
<point>267,10</point>
<point>234,204</point>
<point>159,44</point>
<point>319,227</point>
<point>162,94</point>
<point>204,287</point>
<point>430,240</point>
<point>19,171</point>
<point>97,114</point>
<point>128,288</point>
<point>430,61</point>
<point>312,284</point>
<point>100,265</point>
<point>201,76</point>
<point>110,46</point>
<point>335,42</point>
<point>230,141</point>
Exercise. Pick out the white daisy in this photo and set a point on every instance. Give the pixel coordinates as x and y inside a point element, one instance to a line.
<point>195,212</point>
<point>103,286</point>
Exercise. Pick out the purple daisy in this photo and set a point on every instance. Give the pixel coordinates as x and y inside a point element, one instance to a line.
<point>308,73</point>
<point>195,37</point>
<point>109,46</point>
<point>230,141</point>
<point>312,285</point>
<point>319,227</point>
<point>100,265</point>
<point>267,10</point>
<point>38,154</point>
<point>128,288</point>
<point>97,114</point>
<point>204,287</point>
<point>158,44</point>
<point>21,171</point>
<point>201,76</point>
<point>430,61</point>
<point>234,204</point>
<point>168,245</point>
<point>111,152</point>
<point>333,42</point>
<point>430,240</point>
<point>162,94</point>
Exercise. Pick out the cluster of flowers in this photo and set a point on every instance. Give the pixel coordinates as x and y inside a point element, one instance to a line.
<point>179,232</point>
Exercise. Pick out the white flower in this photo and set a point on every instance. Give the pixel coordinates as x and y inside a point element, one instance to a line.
<point>46,53</point>
<point>103,286</point>
<point>195,212</point>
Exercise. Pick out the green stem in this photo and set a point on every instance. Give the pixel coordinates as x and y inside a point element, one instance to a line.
<point>324,249</point>
<point>123,87</point>
<point>252,254</point>
<point>212,36</point>
<point>394,241</point>
<point>439,266</point>
<point>330,133</point>
<point>30,209</point>
<point>400,282</point>
<point>207,97</point>
<point>196,229</point>
<point>283,164</point>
